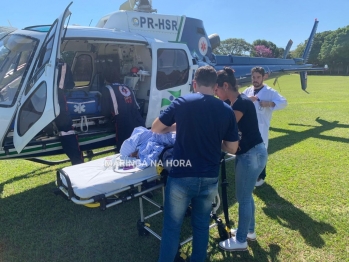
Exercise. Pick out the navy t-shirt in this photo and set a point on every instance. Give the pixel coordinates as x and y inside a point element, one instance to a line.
<point>248,124</point>
<point>203,121</point>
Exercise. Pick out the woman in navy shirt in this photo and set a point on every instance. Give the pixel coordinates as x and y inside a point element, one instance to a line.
<point>250,160</point>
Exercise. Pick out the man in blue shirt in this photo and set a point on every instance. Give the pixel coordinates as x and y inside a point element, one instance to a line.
<point>204,126</point>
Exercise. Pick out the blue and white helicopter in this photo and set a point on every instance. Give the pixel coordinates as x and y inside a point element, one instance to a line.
<point>156,54</point>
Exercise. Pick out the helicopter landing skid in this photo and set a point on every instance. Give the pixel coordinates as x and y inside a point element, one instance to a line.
<point>88,154</point>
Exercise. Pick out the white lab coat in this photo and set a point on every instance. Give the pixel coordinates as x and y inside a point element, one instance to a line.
<point>264,113</point>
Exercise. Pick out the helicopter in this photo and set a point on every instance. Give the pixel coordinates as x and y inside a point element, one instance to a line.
<point>156,54</point>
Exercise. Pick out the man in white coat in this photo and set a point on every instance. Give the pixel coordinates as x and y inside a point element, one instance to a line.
<point>266,101</point>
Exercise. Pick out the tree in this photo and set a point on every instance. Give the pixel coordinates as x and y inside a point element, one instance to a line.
<point>329,47</point>
<point>335,49</point>
<point>298,52</point>
<point>273,48</point>
<point>262,51</point>
<point>281,51</point>
<point>314,57</point>
<point>233,46</point>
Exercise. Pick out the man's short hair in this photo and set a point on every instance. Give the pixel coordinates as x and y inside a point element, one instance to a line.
<point>206,76</point>
<point>258,69</point>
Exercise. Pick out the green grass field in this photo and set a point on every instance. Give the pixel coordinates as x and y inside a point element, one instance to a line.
<point>302,212</point>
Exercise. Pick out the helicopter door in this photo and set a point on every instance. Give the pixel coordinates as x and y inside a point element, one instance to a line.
<point>172,71</point>
<point>39,103</point>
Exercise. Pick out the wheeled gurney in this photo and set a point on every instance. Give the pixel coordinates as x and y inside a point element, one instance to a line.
<point>109,181</point>
<point>99,182</point>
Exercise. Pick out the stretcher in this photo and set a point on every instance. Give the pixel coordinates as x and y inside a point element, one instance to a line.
<point>110,181</point>
<point>100,182</point>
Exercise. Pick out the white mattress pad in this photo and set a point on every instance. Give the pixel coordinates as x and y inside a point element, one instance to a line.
<point>104,175</point>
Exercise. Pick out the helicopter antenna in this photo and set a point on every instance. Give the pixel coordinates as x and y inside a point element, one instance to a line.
<point>9,22</point>
<point>90,22</point>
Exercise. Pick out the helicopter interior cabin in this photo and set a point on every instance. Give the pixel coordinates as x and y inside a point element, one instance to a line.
<point>89,59</point>
<point>133,64</point>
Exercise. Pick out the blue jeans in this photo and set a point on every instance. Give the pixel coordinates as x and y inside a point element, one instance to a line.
<point>179,193</point>
<point>248,166</point>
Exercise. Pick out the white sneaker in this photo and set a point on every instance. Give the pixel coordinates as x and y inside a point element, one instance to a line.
<point>250,236</point>
<point>259,182</point>
<point>232,244</point>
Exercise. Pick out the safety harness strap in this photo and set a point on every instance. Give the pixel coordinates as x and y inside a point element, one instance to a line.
<point>61,81</point>
<point>113,98</point>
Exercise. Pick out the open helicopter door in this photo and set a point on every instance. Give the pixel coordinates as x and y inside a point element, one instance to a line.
<point>39,101</point>
<point>172,73</point>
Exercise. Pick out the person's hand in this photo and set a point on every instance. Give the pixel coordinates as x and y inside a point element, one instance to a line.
<point>135,154</point>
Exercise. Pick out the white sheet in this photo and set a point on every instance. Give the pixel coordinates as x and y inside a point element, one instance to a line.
<point>98,177</point>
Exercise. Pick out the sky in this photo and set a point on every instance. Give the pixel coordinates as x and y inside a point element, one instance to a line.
<point>274,20</point>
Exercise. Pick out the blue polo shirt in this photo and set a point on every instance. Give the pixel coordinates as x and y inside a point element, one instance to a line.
<point>203,121</point>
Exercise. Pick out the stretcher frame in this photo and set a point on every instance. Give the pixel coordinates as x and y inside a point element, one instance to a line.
<point>107,200</point>
<point>103,199</point>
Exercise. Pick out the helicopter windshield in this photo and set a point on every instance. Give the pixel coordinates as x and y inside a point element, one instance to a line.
<point>16,52</point>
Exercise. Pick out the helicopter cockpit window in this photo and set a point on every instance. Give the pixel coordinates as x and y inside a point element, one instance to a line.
<point>173,68</point>
<point>15,55</point>
<point>32,109</point>
<point>39,28</point>
<point>44,57</point>
<point>82,71</point>
<point>47,49</point>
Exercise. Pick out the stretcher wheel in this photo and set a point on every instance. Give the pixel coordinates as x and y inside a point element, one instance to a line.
<point>159,169</point>
<point>223,231</point>
<point>141,230</point>
<point>93,205</point>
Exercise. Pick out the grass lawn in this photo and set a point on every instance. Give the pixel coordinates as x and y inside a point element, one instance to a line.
<point>302,212</point>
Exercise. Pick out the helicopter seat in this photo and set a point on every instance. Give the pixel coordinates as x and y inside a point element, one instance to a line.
<point>97,82</point>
